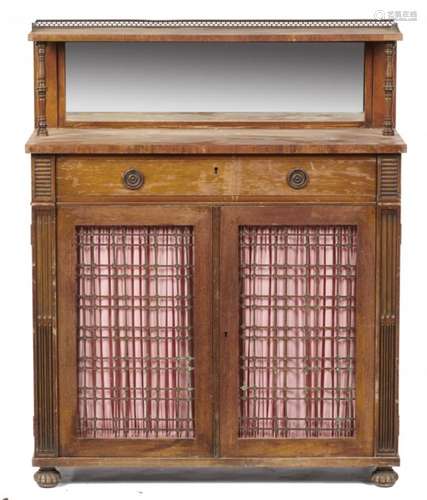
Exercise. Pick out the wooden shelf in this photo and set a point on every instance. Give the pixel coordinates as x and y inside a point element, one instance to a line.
<point>251,120</point>
<point>216,31</point>
<point>214,141</point>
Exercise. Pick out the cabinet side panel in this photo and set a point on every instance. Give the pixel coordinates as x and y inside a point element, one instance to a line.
<point>44,307</point>
<point>388,331</point>
<point>45,424</point>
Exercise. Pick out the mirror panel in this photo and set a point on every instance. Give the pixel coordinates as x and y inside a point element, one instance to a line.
<point>124,80</point>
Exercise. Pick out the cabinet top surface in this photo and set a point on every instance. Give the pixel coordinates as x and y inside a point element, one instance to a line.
<point>214,141</point>
<point>216,30</point>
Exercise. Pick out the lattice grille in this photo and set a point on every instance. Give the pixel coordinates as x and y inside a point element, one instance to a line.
<point>297,331</point>
<point>187,23</point>
<point>135,361</point>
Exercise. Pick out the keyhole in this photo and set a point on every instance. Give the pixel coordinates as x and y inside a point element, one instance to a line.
<point>225,334</point>
<point>215,170</point>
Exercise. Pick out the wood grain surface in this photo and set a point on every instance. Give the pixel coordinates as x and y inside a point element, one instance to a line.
<point>216,178</point>
<point>208,34</point>
<point>215,141</point>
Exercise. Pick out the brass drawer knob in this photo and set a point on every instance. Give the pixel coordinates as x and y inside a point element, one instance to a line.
<point>297,178</point>
<point>132,179</point>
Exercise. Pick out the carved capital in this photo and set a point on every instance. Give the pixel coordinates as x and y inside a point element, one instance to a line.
<point>388,180</point>
<point>43,179</point>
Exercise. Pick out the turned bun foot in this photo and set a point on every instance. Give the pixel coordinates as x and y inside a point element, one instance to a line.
<point>385,477</point>
<point>47,478</point>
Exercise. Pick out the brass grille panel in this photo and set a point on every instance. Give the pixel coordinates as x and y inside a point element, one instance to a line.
<point>187,23</point>
<point>135,360</point>
<point>297,331</point>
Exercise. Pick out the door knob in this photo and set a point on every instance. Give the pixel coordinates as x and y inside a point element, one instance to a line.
<point>133,179</point>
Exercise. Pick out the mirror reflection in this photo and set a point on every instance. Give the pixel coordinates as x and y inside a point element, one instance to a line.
<point>214,77</point>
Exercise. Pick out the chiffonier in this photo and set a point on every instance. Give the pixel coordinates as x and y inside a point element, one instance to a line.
<point>215,237</point>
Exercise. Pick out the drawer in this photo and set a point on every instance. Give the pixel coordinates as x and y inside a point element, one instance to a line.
<point>216,178</point>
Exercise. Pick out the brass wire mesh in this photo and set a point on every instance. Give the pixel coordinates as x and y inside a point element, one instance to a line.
<point>187,23</point>
<point>297,366</point>
<point>135,360</point>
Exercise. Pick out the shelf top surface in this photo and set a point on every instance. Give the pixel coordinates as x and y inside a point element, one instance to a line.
<point>214,141</point>
<point>216,31</point>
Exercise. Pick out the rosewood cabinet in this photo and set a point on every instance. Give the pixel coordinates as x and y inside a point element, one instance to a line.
<point>215,287</point>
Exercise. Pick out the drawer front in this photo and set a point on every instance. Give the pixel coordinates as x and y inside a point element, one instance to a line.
<point>216,178</point>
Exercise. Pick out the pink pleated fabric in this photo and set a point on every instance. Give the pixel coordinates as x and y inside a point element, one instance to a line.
<point>135,360</point>
<point>297,331</point>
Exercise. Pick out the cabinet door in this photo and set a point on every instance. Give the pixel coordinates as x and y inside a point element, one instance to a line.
<point>297,331</point>
<point>134,309</point>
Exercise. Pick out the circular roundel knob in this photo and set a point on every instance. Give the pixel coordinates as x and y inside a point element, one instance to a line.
<point>297,178</point>
<point>133,179</point>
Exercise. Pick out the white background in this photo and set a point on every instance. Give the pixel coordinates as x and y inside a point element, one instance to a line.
<point>16,121</point>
